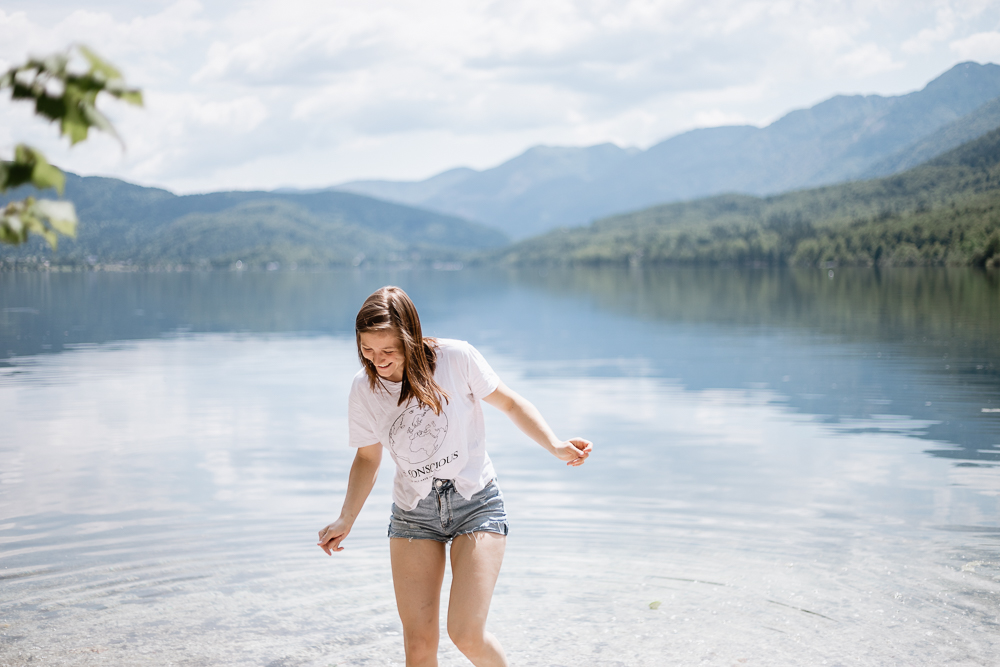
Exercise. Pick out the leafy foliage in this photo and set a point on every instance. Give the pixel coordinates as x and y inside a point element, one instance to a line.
<point>67,96</point>
<point>30,166</point>
<point>44,217</point>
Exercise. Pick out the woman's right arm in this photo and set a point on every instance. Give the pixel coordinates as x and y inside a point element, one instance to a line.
<point>364,470</point>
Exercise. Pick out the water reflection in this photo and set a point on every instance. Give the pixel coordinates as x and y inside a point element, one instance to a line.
<point>172,442</point>
<point>855,345</point>
<point>860,345</point>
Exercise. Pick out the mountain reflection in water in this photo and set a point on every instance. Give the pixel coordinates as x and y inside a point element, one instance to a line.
<point>796,467</point>
<point>915,342</point>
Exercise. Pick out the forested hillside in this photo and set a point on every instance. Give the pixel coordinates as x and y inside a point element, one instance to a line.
<point>944,212</point>
<point>125,223</point>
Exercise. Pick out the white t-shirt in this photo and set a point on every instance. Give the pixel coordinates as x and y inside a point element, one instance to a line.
<point>424,445</point>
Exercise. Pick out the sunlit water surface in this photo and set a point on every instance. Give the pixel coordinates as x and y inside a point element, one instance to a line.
<point>773,484</point>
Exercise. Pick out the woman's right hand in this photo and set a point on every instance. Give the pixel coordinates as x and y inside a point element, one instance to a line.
<point>331,536</point>
<point>364,470</point>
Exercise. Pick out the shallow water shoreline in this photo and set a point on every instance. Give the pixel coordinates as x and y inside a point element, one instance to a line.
<point>773,477</point>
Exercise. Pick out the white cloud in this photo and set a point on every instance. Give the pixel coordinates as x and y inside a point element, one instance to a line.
<point>867,60</point>
<point>982,47</point>
<point>718,118</point>
<point>130,42</point>
<point>391,88</point>
<point>239,116</point>
<point>925,40</point>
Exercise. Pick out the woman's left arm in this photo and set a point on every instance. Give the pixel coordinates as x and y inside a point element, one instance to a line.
<point>527,418</point>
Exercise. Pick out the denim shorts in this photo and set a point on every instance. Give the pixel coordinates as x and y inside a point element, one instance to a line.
<point>445,514</point>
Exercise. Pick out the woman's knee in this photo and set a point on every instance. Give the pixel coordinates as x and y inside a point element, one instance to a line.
<point>466,638</point>
<point>420,645</point>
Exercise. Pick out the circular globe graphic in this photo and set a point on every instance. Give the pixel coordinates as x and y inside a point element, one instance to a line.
<point>417,434</point>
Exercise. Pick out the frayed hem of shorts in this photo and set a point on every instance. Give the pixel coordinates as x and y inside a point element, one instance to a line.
<point>498,527</point>
<point>410,538</point>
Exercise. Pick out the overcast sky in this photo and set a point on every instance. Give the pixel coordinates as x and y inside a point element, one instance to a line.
<point>310,93</point>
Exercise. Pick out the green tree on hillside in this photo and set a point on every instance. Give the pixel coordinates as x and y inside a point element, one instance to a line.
<point>65,93</point>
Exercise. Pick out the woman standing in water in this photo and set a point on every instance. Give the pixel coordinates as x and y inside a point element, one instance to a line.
<point>419,398</point>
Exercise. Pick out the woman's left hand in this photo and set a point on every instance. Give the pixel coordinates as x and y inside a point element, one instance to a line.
<point>574,451</point>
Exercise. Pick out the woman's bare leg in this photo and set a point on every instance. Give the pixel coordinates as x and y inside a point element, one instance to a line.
<point>417,573</point>
<point>475,564</point>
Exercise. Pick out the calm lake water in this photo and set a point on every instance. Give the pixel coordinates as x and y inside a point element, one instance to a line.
<point>792,468</point>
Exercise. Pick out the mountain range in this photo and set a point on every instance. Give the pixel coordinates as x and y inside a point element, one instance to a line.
<point>843,138</point>
<point>943,212</point>
<point>123,222</point>
<point>893,142</point>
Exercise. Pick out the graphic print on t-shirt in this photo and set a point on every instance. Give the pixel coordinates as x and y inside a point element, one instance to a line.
<point>417,434</point>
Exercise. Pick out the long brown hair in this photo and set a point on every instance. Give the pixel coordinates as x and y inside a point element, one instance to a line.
<point>390,309</point>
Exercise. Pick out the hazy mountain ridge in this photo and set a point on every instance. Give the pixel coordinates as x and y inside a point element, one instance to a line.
<point>123,222</point>
<point>943,212</point>
<point>843,138</point>
<point>954,134</point>
<point>412,193</point>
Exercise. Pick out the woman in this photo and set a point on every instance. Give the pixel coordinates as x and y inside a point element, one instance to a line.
<point>419,398</point>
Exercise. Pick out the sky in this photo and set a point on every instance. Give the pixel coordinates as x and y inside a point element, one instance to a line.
<point>311,93</point>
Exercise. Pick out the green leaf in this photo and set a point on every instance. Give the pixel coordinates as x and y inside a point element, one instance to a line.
<point>86,84</point>
<point>33,225</point>
<point>60,214</point>
<point>98,64</point>
<point>52,108</point>
<point>55,62</point>
<point>44,175</point>
<point>132,96</point>
<point>74,125</point>
<point>46,218</point>
<point>655,604</point>
<point>99,120</point>
<point>6,234</point>
<point>21,91</point>
<point>12,227</point>
<point>15,175</point>
<point>75,108</point>
<point>30,166</point>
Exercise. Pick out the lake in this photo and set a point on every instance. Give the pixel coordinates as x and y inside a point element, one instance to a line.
<point>791,467</point>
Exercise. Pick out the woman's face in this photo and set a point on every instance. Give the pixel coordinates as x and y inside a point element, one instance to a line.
<point>385,351</point>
